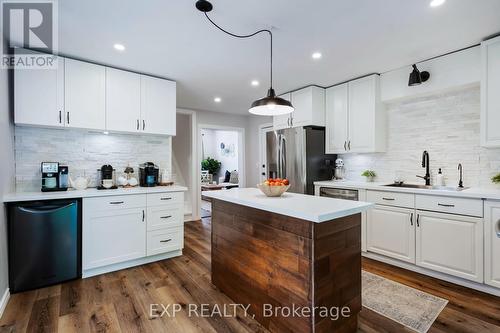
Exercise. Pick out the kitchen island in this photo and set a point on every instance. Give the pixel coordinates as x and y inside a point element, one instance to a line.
<point>295,260</point>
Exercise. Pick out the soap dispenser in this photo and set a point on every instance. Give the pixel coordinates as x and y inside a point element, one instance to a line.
<point>440,178</point>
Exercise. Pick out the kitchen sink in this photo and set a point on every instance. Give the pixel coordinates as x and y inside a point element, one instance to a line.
<point>426,187</point>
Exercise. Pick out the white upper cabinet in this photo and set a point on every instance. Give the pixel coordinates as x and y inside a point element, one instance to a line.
<point>356,120</point>
<point>123,101</point>
<point>84,95</point>
<point>309,105</point>
<point>283,121</point>
<point>39,96</point>
<point>337,106</point>
<point>158,106</point>
<point>490,98</point>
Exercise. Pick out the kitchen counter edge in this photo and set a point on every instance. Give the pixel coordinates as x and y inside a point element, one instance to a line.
<point>88,193</point>
<point>476,193</point>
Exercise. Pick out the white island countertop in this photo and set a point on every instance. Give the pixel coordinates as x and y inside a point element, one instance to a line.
<point>301,206</point>
<point>88,193</point>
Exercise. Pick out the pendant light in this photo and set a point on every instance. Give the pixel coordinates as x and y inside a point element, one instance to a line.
<point>271,105</point>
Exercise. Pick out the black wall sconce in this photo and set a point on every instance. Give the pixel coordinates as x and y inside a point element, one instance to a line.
<point>417,77</point>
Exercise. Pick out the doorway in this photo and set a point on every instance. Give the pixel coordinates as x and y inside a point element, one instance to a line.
<point>221,167</point>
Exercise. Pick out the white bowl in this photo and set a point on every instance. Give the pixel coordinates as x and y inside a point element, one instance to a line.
<point>273,191</point>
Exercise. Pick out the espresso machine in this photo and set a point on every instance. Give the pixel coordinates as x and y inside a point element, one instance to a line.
<point>149,174</point>
<point>106,178</point>
<point>54,177</point>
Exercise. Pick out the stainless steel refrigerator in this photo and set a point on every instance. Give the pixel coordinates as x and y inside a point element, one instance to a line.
<point>298,154</point>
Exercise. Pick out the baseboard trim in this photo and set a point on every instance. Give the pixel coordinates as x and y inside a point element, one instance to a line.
<point>131,263</point>
<point>4,301</point>
<point>438,275</point>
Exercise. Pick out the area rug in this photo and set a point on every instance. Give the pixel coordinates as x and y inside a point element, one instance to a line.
<point>410,307</point>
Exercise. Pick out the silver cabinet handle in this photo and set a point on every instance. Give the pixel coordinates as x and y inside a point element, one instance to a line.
<point>143,124</point>
<point>143,215</point>
<point>411,219</point>
<point>165,240</point>
<point>418,220</point>
<point>67,117</point>
<point>497,228</point>
<point>345,145</point>
<point>137,124</point>
<point>291,121</point>
<point>60,117</point>
<point>166,217</point>
<point>167,198</point>
<point>445,205</point>
<point>349,145</point>
<point>388,199</point>
<point>116,202</point>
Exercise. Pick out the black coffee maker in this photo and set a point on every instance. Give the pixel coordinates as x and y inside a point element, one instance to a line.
<point>149,174</point>
<point>106,179</point>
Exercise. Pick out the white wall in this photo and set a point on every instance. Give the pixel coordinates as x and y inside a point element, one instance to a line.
<point>182,158</point>
<point>7,171</point>
<point>447,126</point>
<point>212,140</point>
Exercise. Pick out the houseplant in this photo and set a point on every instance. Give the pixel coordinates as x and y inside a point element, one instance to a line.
<point>211,165</point>
<point>369,174</point>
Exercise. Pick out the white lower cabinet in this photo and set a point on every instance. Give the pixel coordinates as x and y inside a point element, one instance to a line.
<point>391,232</point>
<point>120,231</point>
<point>112,236</point>
<point>451,244</point>
<point>492,243</point>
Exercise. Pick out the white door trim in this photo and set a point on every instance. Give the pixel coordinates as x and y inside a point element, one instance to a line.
<point>4,301</point>
<point>264,128</point>
<point>195,214</point>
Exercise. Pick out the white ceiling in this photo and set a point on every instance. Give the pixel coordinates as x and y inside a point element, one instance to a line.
<point>170,38</point>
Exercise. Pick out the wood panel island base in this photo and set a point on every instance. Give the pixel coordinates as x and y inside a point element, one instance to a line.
<point>295,260</point>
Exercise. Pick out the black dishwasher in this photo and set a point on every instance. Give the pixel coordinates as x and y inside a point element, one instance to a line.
<point>44,243</point>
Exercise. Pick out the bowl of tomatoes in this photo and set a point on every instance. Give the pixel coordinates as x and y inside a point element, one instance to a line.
<point>274,187</point>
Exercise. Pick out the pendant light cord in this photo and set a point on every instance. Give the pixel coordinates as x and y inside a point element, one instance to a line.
<point>248,36</point>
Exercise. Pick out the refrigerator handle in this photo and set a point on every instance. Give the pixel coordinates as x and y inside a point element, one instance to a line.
<point>283,157</point>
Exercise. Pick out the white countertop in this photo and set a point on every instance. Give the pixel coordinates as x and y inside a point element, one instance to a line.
<point>479,193</point>
<point>302,206</point>
<point>88,193</point>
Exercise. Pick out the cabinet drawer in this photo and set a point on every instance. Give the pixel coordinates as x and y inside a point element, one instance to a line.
<point>391,198</point>
<point>115,202</point>
<point>169,198</point>
<point>160,217</point>
<point>167,240</point>
<point>451,205</point>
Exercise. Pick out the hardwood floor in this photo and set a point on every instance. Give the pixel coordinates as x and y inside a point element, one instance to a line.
<point>120,301</point>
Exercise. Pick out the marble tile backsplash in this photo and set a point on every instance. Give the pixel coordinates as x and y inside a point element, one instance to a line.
<point>447,126</point>
<point>84,152</point>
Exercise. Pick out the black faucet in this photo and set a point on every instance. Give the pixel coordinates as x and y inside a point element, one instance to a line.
<point>460,182</point>
<point>425,164</point>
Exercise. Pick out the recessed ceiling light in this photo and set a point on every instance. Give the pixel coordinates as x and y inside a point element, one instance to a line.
<point>217,99</point>
<point>119,47</point>
<point>437,3</point>
<point>317,55</point>
<point>255,83</point>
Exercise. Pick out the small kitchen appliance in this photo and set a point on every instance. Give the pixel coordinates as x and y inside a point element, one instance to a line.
<point>54,177</point>
<point>149,174</point>
<point>106,179</point>
<point>339,169</point>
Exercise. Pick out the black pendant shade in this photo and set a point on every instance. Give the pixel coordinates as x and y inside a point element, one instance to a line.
<point>271,105</point>
<point>417,77</point>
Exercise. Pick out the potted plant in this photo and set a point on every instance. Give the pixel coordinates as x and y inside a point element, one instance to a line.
<point>369,174</point>
<point>211,165</point>
<point>496,179</point>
